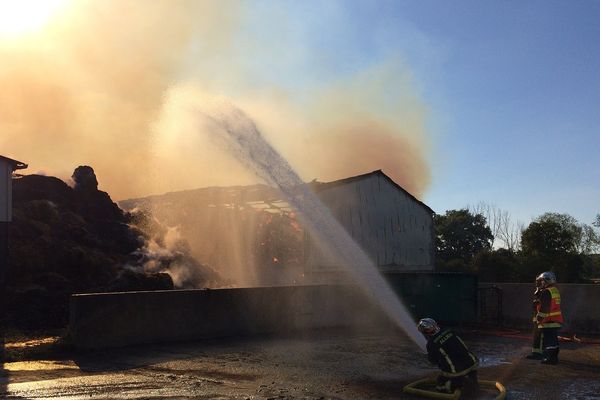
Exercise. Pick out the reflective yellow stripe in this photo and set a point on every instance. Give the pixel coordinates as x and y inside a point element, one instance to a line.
<point>553,318</point>
<point>467,349</point>
<point>550,325</point>
<point>461,373</point>
<point>452,367</point>
<point>555,295</point>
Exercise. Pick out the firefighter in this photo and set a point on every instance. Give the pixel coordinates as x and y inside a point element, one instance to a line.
<point>536,349</point>
<point>447,350</point>
<point>547,319</point>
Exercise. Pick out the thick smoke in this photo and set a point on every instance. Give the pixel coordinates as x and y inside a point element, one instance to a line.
<point>165,250</point>
<point>91,87</point>
<point>86,89</point>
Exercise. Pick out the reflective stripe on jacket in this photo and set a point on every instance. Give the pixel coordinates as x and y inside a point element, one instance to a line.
<point>450,353</point>
<point>550,317</point>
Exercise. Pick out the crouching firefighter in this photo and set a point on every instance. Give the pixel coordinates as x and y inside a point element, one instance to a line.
<point>446,349</point>
<point>547,319</point>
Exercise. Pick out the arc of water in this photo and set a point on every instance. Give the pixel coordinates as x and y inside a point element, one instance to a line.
<point>239,135</point>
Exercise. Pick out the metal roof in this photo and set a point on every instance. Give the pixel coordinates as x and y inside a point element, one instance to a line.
<point>318,186</point>
<point>15,164</point>
<point>255,196</point>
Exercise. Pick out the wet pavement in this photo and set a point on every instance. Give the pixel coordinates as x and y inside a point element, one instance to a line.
<point>332,365</point>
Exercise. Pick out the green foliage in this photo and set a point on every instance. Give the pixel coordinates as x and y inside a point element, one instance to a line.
<point>559,243</point>
<point>553,232</point>
<point>500,265</point>
<point>592,266</point>
<point>460,236</point>
<point>553,242</point>
<point>547,238</point>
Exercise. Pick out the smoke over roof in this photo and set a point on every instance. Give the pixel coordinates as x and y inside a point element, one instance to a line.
<point>102,85</point>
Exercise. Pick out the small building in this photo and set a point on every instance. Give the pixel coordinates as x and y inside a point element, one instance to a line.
<point>7,167</point>
<point>390,224</point>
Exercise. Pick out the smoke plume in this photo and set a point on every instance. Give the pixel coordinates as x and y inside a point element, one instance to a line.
<point>97,87</point>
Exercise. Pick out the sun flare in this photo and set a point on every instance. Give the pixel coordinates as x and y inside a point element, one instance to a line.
<point>19,17</point>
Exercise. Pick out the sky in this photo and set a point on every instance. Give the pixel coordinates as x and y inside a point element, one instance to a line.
<point>513,99</point>
<point>460,102</point>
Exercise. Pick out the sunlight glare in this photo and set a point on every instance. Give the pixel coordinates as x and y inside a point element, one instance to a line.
<point>19,17</point>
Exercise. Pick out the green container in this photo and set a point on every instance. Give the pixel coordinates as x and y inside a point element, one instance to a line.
<point>446,297</point>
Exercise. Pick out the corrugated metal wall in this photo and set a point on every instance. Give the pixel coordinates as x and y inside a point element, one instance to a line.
<point>391,226</point>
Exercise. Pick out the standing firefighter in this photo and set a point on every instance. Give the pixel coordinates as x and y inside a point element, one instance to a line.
<point>449,352</point>
<point>547,319</point>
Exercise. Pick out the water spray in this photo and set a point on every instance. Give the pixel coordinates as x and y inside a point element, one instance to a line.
<point>238,134</point>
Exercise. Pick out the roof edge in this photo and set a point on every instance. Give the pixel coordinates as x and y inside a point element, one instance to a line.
<point>15,164</point>
<point>363,176</point>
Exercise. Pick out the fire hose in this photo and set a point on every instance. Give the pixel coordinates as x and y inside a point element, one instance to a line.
<point>413,388</point>
<point>516,334</point>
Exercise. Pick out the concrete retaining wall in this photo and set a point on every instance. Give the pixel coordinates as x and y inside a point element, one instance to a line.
<point>580,306</point>
<point>120,319</point>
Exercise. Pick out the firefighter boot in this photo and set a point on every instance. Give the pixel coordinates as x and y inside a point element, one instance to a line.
<point>551,357</point>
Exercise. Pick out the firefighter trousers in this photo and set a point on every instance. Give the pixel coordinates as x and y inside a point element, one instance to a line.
<point>447,384</point>
<point>544,340</point>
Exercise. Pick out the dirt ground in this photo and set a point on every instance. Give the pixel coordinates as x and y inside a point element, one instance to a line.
<point>327,365</point>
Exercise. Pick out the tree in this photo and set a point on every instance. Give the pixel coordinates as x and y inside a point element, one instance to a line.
<point>582,238</point>
<point>494,217</point>
<point>590,240</point>
<point>505,232</point>
<point>460,235</point>
<point>547,237</point>
<point>500,265</point>
<point>554,242</point>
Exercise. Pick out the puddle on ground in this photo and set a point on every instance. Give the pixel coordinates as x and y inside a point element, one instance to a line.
<point>31,343</point>
<point>487,361</point>
<point>39,365</point>
<point>582,389</point>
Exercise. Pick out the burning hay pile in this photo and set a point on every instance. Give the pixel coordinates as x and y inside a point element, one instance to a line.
<point>75,239</point>
<point>246,233</point>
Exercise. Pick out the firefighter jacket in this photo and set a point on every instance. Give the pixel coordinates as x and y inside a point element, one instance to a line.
<point>549,314</point>
<point>449,352</point>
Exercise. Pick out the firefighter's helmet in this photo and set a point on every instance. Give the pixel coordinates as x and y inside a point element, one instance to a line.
<point>428,326</point>
<point>545,279</point>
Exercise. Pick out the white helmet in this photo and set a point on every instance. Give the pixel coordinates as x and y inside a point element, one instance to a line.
<point>428,326</point>
<point>545,279</point>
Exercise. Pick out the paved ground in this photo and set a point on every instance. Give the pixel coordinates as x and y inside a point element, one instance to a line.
<point>331,365</point>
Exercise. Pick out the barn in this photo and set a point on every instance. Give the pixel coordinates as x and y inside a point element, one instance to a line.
<point>251,236</point>
<point>391,225</point>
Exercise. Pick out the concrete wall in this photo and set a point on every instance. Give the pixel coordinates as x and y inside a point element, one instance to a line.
<point>580,306</point>
<point>120,319</point>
